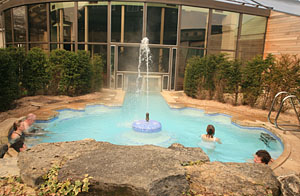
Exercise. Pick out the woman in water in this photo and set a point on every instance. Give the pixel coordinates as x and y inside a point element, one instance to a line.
<point>17,138</point>
<point>209,136</point>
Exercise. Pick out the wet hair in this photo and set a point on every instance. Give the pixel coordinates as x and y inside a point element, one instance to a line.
<point>17,124</point>
<point>264,155</point>
<point>210,130</point>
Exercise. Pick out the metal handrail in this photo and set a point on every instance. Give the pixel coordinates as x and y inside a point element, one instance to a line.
<point>273,103</point>
<point>288,97</point>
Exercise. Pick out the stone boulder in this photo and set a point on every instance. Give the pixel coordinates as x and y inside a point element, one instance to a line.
<point>217,178</point>
<point>115,169</point>
<point>290,184</point>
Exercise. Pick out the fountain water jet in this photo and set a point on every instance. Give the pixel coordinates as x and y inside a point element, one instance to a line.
<point>145,126</point>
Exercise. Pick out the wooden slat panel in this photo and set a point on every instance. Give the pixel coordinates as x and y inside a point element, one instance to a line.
<point>283,34</point>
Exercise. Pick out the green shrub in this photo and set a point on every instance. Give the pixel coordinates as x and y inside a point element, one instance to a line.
<point>9,82</point>
<point>252,79</point>
<point>34,71</point>
<point>55,70</point>
<point>97,69</point>
<point>52,186</point>
<point>192,76</point>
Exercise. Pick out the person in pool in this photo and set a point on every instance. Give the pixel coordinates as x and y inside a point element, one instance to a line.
<point>209,136</point>
<point>262,156</point>
<point>17,138</point>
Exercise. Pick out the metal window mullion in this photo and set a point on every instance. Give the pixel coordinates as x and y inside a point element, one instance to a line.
<point>144,34</point>
<point>48,25</point>
<point>26,28</point>
<point>266,28</point>
<point>108,50</point>
<point>170,68</point>
<point>12,26</point>
<point>76,25</point>
<point>238,36</point>
<point>208,37</point>
<point>177,44</point>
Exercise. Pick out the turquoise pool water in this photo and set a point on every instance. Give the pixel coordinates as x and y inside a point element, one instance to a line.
<point>184,126</point>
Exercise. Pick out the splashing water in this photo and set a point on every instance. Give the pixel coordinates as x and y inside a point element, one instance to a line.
<point>144,57</point>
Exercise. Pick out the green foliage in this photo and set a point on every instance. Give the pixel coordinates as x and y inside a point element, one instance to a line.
<point>252,79</point>
<point>34,71</point>
<point>192,76</point>
<point>52,186</point>
<point>9,82</point>
<point>97,70</point>
<point>55,69</point>
<point>13,186</point>
<point>70,72</point>
<point>18,56</point>
<point>201,74</point>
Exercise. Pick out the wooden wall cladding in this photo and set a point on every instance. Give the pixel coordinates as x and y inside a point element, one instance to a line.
<point>283,34</point>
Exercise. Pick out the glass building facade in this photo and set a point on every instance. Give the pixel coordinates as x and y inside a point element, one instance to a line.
<point>177,30</point>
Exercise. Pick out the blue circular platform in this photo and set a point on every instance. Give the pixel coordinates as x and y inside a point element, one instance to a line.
<point>152,126</point>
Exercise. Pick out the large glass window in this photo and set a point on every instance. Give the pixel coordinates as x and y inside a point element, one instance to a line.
<point>160,60</point>
<point>193,26</point>
<point>92,19</point>
<point>19,24</point>
<point>7,23</point>
<point>128,58</point>
<point>37,23</point>
<point>126,22</point>
<point>251,41</point>
<point>62,22</point>
<point>162,23</point>
<point>100,50</point>
<point>224,29</point>
<point>184,55</point>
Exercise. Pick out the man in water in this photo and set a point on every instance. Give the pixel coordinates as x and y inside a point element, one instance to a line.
<point>30,119</point>
<point>262,156</point>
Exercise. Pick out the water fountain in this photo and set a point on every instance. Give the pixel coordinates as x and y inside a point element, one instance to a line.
<point>147,125</point>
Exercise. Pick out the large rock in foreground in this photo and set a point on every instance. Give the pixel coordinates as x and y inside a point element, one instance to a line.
<point>115,170</point>
<point>217,178</point>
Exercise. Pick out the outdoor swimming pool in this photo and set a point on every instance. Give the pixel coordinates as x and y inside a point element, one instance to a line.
<point>184,126</point>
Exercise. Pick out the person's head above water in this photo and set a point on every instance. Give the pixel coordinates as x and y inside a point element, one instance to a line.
<point>262,156</point>
<point>210,130</point>
<point>30,118</point>
<point>147,116</point>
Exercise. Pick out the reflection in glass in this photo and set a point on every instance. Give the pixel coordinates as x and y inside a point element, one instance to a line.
<point>165,82</point>
<point>162,23</point>
<point>120,81</point>
<point>19,24</point>
<point>173,69</point>
<point>37,22</point>
<point>62,23</point>
<point>92,19</point>
<point>112,67</point>
<point>128,59</point>
<point>42,46</point>
<point>229,54</point>
<point>126,22</point>
<point>170,28</point>
<point>193,26</point>
<point>251,41</point>
<point>224,29</point>
<point>184,55</point>
<point>7,23</point>
<point>160,60</point>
